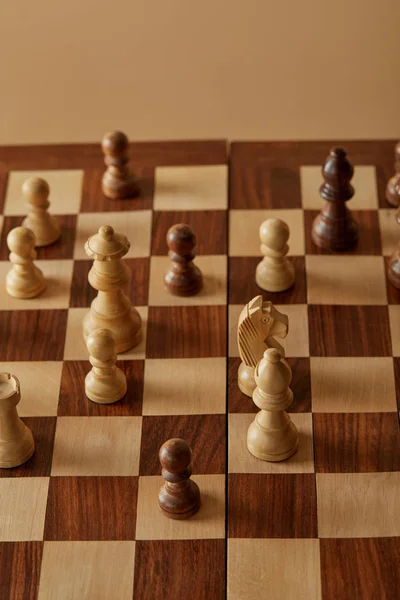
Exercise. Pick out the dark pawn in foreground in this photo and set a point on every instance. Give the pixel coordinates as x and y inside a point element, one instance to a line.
<point>183,277</point>
<point>118,181</point>
<point>335,229</point>
<point>394,263</point>
<point>179,497</point>
<point>392,193</point>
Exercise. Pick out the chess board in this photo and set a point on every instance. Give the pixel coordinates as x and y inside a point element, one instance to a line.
<point>80,520</point>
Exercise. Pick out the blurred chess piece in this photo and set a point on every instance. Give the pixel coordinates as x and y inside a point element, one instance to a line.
<point>16,440</point>
<point>44,226</point>
<point>25,279</point>
<point>272,436</point>
<point>183,277</point>
<point>392,192</point>
<point>111,309</point>
<point>105,383</point>
<point>274,273</point>
<point>393,271</point>
<point>179,497</point>
<point>334,228</point>
<point>118,180</point>
<point>259,323</point>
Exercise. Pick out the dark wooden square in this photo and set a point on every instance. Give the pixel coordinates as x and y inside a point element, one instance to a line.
<point>20,564</point>
<point>82,292</point>
<point>349,330</point>
<point>91,508</point>
<point>209,226</point>
<point>186,331</point>
<point>272,506</point>
<point>262,185</point>
<point>93,199</point>
<point>74,402</point>
<point>180,569</point>
<point>32,335</point>
<point>62,249</point>
<point>364,568</point>
<point>300,386</point>
<point>356,442</point>
<point>243,287</point>
<point>369,237</point>
<point>3,189</point>
<point>205,434</point>
<point>39,465</point>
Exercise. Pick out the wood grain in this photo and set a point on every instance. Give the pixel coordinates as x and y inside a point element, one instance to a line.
<point>180,331</point>
<point>33,335</point>
<point>209,226</point>
<point>73,400</point>
<point>205,434</point>
<point>360,568</point>
<point>20,564</point>
<point>265,185</point>
<point>180,568</point>
<point>91,508</point>
<point>137,290</point>
<point>242,285</point>
<point>3,188</point>
<point>358,442</point>
<point>272,506</point>
<point>349,330</point>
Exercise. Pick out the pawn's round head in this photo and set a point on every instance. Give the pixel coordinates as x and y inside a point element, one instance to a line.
<point>274,234</point>
<point>181,239</point>
<point>272,355</point>
<point>101,344</point>
<point>35,189</point>
<point>175,455</point>
<point>114,142</point>
<point>21,241</point>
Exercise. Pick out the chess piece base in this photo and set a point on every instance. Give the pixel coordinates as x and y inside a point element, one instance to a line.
<point>336,235</point>
<point>127,328</point>
<point>115,188</point>
<point>184,284</point>
<point>47,231</point>
<point>105,390</point>
<point>273,444</point>
<point>394,269</point>
<point>27,287</point>
<point>10,457</point>
<point>275,278</point>
<point>246,381</point>
<point>180,505</point>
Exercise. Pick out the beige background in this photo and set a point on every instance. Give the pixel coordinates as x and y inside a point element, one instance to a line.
<point>263,69</point>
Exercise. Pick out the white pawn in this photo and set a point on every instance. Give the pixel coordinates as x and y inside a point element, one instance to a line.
<point>105,383</point>
<point>16,440</point>
<point>274,273</point>
<point>44,226</point>
<point>24,280</point>
<point>272,436</point>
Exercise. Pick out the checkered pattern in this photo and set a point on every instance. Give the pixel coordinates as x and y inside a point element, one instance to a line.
<point>80,519</point>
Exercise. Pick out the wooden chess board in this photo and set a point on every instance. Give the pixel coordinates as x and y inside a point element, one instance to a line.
<point>80,520</point>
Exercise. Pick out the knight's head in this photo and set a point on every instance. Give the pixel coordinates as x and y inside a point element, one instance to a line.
<point>270,322</point>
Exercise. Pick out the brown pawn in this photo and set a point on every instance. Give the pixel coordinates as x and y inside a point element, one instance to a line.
<point>118,180</point>
<point>335,229</point>
<point>179,497</point>
<point>394,262</point>
<point>392,193</point>
<point>183,277</point>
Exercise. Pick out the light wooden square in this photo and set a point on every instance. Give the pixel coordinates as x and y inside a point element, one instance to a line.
<point>58,276</point>
<point>184,386</point>
<point>358,505</point>
<point>89,570</point>
<point>191,188</point>
<point>394,319</point>
<point>136,225</point>
<point>295,344</point>
<point>97,446</point>
<point>22,508</point>
<point>277,569</point>
<point>75,347</point>
<point>356,280</point>
<point>213,292</point>
<point>242,461</point>
<point>207,523</point>
<point>40,386</point>
<point>364,183</point>
<point>65,191</point>
<point>390,230</point>
<point>353,384</point>
<point>244,225</point>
